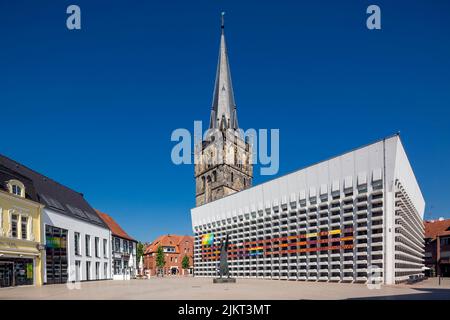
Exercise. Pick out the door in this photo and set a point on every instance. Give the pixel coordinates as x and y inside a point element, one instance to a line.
<point>6,274</point>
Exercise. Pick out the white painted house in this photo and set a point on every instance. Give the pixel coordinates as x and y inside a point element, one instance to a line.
<point>77,242</point>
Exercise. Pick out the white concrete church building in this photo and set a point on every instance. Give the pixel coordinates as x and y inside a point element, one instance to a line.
<point>357,217</point>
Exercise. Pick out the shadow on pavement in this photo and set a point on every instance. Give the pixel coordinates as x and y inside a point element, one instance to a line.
<point>423,294</point>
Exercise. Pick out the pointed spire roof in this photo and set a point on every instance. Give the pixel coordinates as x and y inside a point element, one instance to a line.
<point>223,110</point>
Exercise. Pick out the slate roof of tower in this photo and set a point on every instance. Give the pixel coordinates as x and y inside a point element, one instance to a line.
<point>52,194</point>
<point>223,104</point>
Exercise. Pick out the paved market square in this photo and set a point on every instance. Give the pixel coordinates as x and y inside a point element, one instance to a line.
<point>188,288</point>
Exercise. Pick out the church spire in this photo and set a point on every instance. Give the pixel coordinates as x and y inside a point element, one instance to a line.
<point>223,110</point>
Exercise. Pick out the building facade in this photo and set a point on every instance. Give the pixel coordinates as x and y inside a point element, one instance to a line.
<point>354,218</point>
<point>223,160</point>
<point>21,256</point>
<point>437,247</point>
<point>124,260</point>
<point>76,241</point>
<point>175,248</point>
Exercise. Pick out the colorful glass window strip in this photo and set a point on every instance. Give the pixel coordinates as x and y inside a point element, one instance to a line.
<point>55,242</point>
<point>208,239</point>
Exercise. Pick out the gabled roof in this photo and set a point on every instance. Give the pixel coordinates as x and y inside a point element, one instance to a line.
<point>52,194</point>
<point>436,228</point>
<point>116,230</point>
<point>169,240</point>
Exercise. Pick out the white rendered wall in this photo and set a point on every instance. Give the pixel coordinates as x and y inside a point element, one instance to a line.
<point>385,159</point>
<point>364,160</point>
<point>58,220</point>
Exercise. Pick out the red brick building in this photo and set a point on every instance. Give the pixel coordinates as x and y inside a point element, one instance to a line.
<point>175,248</point>
<point>437,247</point>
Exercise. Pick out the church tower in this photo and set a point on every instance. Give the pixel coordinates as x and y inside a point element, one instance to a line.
<point>223,160</point>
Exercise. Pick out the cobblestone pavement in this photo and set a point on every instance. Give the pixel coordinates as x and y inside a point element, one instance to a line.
<point>244,289</point>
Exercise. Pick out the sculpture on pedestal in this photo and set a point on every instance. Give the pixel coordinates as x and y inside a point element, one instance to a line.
<point>224,271</point>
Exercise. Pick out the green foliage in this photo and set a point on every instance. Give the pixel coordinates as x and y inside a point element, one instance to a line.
<point>160,259</point>
<point>139,251</point>
<point>185,262</point>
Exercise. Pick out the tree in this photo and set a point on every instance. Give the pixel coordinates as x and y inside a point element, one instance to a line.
<point>139,251</point>
<point>185,263</point>
<point>160,261</point>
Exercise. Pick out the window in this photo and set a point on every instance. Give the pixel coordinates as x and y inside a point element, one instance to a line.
<point>96,243</point>
<point>88,245</point>
<point>16,187</point>
<point>105,248</point>
<point>77,243</point>
<point>116,244</point>
<point>97,270</point>
<point>117,267</point>
<point>56,254</point>
<point>232,177</point>
<point>105,270</point>
<point>125,246</point>
<point>130,247</point>
<point>88,270</point>
<point>24,227</point>
<point>16,190</point>
<point>77,271</point>
<point>14,221</point>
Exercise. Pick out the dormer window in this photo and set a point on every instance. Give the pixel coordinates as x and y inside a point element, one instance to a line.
<point>17,188</point>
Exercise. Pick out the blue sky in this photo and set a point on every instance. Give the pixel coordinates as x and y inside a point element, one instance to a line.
<point>94,109</point>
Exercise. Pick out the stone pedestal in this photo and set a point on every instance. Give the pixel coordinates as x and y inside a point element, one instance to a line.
<point>224,280</point>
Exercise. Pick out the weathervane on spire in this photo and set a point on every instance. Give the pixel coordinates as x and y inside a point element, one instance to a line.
<point>223,20</point>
